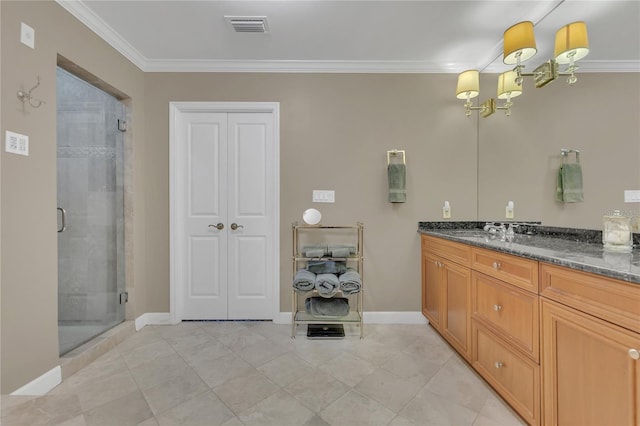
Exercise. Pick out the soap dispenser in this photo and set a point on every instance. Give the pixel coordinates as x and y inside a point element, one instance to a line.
<point>616,232</point>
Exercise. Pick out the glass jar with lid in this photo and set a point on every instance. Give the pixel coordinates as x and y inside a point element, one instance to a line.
<point>616,232</point>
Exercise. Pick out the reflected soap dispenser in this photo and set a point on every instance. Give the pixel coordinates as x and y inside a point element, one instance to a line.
<point>446,210</point>
<point>617,232</point>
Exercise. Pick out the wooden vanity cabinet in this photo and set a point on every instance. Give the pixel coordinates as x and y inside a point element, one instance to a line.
<point>446,291</point>
<point>561,346</point>
<point>590,349</point>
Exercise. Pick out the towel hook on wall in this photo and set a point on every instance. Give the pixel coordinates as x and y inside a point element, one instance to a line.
<point>396,153</point>
<point>28,97</point>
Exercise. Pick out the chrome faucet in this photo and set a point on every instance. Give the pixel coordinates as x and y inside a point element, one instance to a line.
<point>500,229</point>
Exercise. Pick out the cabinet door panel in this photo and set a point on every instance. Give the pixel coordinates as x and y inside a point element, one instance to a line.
<point>588,376</point>
<point>456,324</point>
<point>431,290</point>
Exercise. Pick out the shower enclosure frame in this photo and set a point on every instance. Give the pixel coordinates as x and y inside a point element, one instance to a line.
<point>126,224</point>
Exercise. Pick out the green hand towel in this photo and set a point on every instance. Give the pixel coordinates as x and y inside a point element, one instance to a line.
<point>559,185</point>
<point>397,183</point>
<point>571,181</point>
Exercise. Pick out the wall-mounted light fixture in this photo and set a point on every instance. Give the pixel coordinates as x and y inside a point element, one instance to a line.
<point>520,45</point>
<point>469,88</point>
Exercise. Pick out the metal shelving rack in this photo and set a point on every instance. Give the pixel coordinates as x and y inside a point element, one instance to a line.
<point>301,317</point>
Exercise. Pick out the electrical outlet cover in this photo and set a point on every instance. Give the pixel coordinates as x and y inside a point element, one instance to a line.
<point>27,35</point>
<point>16,143</point>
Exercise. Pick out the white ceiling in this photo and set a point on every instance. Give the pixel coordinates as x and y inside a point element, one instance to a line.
<point>354,35</point>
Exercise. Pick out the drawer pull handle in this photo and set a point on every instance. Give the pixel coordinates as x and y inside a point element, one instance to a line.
<point>497,308</point>
<point>496,266</point>
<point>499,364</point>
<point>634,354</point>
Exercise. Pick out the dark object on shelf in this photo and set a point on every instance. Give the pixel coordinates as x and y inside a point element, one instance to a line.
<point>325,331</point>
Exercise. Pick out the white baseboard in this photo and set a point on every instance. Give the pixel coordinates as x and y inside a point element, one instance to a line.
<point>43,384</point>
<point>153,318</point>
<point>402,317</point>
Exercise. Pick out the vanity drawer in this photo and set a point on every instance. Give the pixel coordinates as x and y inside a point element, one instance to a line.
<point>606,298</point>
<point>511,269</point>
<point>456,252</point>
<point>509,311</point>
<point>514,376</point>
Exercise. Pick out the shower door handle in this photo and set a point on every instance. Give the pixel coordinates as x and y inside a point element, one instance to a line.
<point>63,216</point>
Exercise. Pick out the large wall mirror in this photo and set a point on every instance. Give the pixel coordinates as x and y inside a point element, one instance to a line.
<point>519,156</point>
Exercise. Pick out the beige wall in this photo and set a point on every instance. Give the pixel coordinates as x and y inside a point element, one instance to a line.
<point>29,310</point>
<point>335,132</point>
<point>519,155</point>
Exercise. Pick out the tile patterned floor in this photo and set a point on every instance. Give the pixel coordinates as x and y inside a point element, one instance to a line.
<point>253,373</point>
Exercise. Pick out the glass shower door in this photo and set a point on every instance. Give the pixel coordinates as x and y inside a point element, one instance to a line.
<point>90,211</point>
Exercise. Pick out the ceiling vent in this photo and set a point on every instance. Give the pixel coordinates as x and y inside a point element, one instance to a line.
<point>248,24</point>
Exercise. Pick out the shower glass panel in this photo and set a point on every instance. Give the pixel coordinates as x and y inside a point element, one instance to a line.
<point>90,211</point>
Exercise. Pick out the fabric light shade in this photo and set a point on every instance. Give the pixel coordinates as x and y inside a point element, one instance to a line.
<point>468,82</point>
<point>519,38</point>
<point>572,38</point>
<point>507,86</point>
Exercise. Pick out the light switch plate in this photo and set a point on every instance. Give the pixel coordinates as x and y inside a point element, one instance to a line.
<point>16,143</point>
<point>632,196</point>
<point>324,196</point>
<point>27,35</point>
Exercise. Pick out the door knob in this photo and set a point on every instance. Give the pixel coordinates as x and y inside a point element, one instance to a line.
<point>219,226</point>
<point>634,354</point>
<point>235,226</point>
<point>497,266</point>
<point>497,308</point>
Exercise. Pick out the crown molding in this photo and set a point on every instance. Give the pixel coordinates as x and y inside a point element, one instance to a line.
<point>81,12</point>
<point>292,66</point>
<point>84,14</point>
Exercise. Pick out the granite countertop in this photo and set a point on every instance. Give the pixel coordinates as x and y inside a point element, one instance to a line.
<point>573,248</point>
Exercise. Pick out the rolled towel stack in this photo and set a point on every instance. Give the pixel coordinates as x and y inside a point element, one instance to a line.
<point>350,282</point>
<point>327,284</point>
<point>304,280</point>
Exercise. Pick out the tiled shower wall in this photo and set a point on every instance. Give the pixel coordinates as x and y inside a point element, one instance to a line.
<point>90,188</point>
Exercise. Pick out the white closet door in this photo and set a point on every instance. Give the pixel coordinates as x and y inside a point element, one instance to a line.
<point>203,205</point>
<point>251,207</point>
<point>226,174</point>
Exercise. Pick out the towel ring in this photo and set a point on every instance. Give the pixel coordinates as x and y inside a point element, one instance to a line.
<point>395,153</point>
<point>565,153</point>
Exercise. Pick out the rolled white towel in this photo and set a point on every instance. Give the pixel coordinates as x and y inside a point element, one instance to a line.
<point>350,282</point>
<point>304,280</point>
<point>327,284</point>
